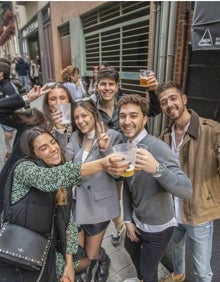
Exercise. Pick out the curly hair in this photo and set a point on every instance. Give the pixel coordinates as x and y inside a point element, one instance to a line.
<point>68,71</point>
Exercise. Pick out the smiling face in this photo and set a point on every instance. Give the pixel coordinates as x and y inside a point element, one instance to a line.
<point>84,120</point>
<point>57,96</point>
<point>131,120</point>
<point>172,103</point>
<point>47,149</point>
<point>107,89</point>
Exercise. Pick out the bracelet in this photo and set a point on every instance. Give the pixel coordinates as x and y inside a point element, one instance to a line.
<point>26,101</point>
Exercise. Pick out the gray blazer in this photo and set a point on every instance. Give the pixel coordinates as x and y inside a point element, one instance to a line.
<point>96,196</point>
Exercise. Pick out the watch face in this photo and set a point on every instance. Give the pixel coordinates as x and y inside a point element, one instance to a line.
<point>160,168</point>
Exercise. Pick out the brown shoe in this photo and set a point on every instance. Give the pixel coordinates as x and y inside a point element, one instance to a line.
<point>173,278</point>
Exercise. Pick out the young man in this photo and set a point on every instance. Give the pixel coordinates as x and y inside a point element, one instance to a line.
<point>107,86</point>
<point>108,83</point>
<point>195,142</point>
<point>148,195</point>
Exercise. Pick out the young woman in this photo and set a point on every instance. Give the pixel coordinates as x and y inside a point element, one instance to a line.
<point>71,79</point>
<point>34,181</point>
<point>95,198</point>
<point>58,94</point>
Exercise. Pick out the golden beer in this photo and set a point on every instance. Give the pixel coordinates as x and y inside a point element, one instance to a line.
<point>129,172</point>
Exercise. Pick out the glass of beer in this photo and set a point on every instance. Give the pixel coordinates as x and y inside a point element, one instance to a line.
<point>144,74</point>
<point>128,152</point>
<point>140,146</point>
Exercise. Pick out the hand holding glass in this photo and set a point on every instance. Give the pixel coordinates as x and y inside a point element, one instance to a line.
<point>144,74</point>
<point>140,146</point>
<point>65,110</point>
<point>128,152</point>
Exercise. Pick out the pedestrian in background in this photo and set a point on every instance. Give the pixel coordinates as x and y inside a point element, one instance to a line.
<point>23,70</point>
<point>148,195</point>
<point>72,81</point>
<point>195,141</point>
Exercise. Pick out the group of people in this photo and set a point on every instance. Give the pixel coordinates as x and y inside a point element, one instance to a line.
<point>72,167</point>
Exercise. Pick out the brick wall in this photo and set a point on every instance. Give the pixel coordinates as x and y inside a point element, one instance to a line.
<point>182,39</point>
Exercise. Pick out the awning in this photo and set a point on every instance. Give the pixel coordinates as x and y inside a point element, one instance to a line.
<point>206,25</point>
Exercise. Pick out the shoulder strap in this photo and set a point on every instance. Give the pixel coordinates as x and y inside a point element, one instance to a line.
<point>15,88</point>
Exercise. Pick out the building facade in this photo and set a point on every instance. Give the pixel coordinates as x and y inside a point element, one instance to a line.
<point>130,35</point>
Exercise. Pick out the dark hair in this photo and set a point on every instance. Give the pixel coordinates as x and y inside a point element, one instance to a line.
<point>5,68</point>
<point>27,140</point>
<point>134,99</point>
<point>105,64</point>
<point>31,117</point>
<point>166,85</point>
<point>108,72</point>
<point>28,137</point>
<point>89,106</point>
<point>46,108</point>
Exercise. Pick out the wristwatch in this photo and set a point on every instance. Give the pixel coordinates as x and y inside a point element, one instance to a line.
<point>26,100</point>
<point>160,169</point>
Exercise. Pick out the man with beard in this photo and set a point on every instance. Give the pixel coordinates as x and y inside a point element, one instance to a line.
<point>195,142</point>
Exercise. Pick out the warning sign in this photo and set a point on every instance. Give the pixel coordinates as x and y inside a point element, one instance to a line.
<point>206,39</point>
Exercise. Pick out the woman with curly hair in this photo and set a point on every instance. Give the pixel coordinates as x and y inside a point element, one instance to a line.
<point>70,77</point>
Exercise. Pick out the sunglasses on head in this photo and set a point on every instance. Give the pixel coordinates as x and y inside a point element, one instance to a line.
<point>53,84</point>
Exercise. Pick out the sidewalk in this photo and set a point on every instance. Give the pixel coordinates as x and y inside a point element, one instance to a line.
<point>121,266</point>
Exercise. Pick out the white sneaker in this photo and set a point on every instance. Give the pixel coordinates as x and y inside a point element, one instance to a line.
<point>132,280</point>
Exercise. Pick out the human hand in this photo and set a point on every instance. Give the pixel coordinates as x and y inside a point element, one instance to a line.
<point>146,161</point>
<point>68,274</point>
<point>152,82</point>
<point>114,164</point>
<point>102,136</point>
<point>132,232</point>
<point>37,92</point>
<point>57,117</point>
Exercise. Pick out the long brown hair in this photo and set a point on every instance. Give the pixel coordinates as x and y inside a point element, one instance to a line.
<point>89,106</point>
<point>46,108</point>
<point>27,140</point>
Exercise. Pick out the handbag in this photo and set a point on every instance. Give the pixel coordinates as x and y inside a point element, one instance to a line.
<point>23,247</point>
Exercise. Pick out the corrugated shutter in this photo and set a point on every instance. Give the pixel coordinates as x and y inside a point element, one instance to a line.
<point>118,32</point>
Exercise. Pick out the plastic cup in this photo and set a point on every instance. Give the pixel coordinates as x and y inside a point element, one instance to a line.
<point>140,145</point>
<point>128,152</point>
<point>65,110</point>
<point>144,74</point>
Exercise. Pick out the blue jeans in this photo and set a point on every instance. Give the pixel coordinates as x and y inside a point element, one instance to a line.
<point>200,239</point>
<point>24,80</point>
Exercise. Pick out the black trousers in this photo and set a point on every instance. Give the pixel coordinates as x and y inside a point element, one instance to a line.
<point>147,253</point>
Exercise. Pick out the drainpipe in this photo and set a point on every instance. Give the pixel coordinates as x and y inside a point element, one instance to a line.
<point>163,40</point>
<point>170,50</point>
<point>161,56</point>
<point>171,40</point>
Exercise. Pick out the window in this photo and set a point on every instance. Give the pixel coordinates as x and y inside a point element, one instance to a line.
<point>118,33</point>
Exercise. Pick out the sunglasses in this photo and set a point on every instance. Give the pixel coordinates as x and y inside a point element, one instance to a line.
<point>53,84</point>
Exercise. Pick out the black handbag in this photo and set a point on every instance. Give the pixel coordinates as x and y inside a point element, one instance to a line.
<point>23,247</point>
